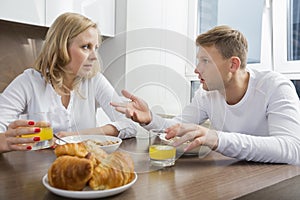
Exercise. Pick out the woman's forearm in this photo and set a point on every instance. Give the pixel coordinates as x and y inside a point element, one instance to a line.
<point>103,130</point>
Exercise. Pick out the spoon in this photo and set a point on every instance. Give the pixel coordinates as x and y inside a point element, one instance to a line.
<point>60,138</point>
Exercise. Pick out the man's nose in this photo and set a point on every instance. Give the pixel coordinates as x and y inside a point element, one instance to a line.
<point>197,70</point>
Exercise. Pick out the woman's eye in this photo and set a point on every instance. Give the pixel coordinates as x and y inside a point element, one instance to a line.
<point>85,46</point>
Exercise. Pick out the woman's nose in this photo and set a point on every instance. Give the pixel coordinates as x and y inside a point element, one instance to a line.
<point>93,55</point>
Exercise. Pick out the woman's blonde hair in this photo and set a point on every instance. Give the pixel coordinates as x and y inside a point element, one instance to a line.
<point>228,41</point>
<point>54,55</point>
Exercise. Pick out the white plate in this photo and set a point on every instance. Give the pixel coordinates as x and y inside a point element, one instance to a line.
<point>99,138</point>
<point>89,193</point>
<point>200,151</point>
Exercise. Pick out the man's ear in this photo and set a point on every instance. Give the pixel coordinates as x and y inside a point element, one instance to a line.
<point>235,63</point>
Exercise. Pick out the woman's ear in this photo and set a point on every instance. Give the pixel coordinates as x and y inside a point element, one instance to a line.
<point>235,63</point>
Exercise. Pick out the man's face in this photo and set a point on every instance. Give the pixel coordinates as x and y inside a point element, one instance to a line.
<point>212,68</point>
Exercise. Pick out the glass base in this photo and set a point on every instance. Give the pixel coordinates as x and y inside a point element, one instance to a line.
<point>42,144</point>
<point>162,163</point>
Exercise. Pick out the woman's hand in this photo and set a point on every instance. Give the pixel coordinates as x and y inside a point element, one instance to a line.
<point>137,109</point>
<point>11,140</point>
<point>197,135</point>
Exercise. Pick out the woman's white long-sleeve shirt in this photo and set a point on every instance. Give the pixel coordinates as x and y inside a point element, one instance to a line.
<point>28,93</point>
<point>264,126</point>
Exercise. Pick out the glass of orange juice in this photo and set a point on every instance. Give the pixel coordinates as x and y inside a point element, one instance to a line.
<point>43,121</point>
<point>160,153</point>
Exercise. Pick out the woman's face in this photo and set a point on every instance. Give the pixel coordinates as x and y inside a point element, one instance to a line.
<point>82,52</point>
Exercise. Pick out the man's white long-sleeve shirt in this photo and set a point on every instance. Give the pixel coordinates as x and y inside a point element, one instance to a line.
<point>29,93</point>
<point>264,126</point>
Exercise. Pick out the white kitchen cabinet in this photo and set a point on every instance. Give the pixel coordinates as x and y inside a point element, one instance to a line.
<point>44,12</point>
<point>24,11</point>
<point>100,11</point>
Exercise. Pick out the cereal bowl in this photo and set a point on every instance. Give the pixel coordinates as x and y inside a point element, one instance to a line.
<point>105,142</point>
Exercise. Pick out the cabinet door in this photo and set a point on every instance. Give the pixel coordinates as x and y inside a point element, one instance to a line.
<point>100,11</point>
<point>25,11</point>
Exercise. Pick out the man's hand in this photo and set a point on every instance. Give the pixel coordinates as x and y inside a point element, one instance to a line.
<point>196,134</point>
<point>136,109</point>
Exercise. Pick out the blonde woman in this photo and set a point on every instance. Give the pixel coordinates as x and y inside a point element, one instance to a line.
<point>65,80</point>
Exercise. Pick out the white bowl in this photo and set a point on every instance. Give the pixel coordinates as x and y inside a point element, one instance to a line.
<point>97,138</point>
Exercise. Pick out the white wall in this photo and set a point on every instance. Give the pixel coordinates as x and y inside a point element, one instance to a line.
<point>156,53</point>
<point>157,36</point>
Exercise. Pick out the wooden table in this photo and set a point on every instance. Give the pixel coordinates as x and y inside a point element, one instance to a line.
<point>212,177</point>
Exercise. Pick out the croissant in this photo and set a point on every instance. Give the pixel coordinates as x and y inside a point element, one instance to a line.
<point>98,153</point>
<point>70,172</point>
<point>71,149</point>
<point>115,170</point>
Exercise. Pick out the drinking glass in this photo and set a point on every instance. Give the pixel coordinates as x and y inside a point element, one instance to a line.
<point>42,121</point>
<point>160,153</point>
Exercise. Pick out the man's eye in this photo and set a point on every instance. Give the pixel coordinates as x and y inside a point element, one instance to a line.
<point>205,61</point>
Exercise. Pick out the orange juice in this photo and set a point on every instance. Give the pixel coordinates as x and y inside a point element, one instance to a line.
<point>162,152</point>
<point>46,133</point>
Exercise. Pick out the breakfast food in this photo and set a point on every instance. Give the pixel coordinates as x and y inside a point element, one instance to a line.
<point>101,143</point>
<point>116,170</point>
<point>70,172</point>
<point>71,149</point>
<point>92,146</point>
<point>81,164</point>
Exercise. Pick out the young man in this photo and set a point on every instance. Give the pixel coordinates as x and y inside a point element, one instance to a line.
<point>254,115</point>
